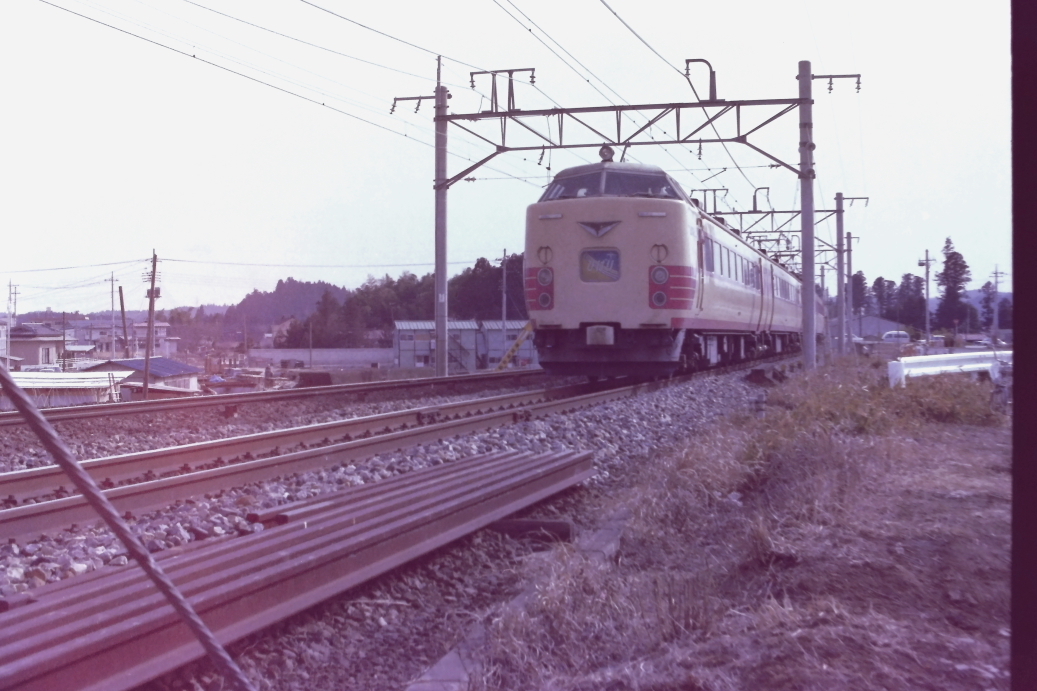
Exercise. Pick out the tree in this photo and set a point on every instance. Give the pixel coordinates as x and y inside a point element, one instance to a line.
<point>1004,313</point>
<point>910,301</point>
<point>952,280</point>
<point>987,303</point>
<point>884,293</point>
<point>860,294</point>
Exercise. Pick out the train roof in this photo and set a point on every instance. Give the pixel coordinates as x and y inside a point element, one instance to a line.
<point>594,167</point>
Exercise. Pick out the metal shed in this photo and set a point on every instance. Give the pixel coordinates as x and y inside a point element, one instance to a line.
<point>59,389</point>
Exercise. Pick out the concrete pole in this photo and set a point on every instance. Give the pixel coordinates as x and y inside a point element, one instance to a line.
<point>504,304</point>
<point>849,288</point>
<point>441,190</point>
<point>928,331</point>
<point>125,332</point>
<point>151,323</point>
<point>806,186</point>
<point>840,279</point>
<point>993,336</point>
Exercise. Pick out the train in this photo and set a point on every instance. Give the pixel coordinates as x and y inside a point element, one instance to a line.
<point>626,275</point>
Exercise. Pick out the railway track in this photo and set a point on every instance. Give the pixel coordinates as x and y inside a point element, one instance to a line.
<point>197,469</point>
<point>410,386</point>
<point>77,633</point>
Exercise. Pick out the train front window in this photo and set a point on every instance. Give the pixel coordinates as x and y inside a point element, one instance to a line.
<point>588,185</point>
<point>640,185</point>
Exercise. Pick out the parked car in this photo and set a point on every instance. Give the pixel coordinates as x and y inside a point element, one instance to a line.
<point>896,337</point>
<point>988,342</point>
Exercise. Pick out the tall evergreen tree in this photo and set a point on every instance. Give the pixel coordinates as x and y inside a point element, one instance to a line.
<point>1004,313</point>
<point>952,280</point>
<point>987,304</point>
<point>860,294</point>
<point>910,301</point>
<point>885,293</point>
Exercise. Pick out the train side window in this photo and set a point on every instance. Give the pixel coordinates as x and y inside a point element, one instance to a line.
<point>707,254</point>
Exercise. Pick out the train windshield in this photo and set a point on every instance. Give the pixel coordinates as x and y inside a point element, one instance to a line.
<point>587,185</point>
<point>640,185</point>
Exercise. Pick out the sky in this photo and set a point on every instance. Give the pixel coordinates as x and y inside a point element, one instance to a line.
<point>241,157</point>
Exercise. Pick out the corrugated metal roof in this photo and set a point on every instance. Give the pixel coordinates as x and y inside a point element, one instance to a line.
<point>66,380</point>
<point>451,325</point>
<point>160,366</point>
<point>74,348</point>
<point>513,324</point>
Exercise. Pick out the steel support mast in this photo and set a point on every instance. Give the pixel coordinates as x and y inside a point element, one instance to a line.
<point>840,339</point>
<point>806,185</point>
<point>441,191</point>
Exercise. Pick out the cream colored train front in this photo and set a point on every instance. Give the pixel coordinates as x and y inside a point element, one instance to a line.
<point>625,275</point>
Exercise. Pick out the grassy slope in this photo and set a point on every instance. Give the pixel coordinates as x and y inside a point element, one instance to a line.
<point>855,537</point>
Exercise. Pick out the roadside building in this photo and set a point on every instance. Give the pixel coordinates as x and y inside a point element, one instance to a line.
<point>172,376</point>
<point>415,345</point>
<point>472,345</point>
<point>60,389</point>
<point>37,344</point>
<point>491,337</point>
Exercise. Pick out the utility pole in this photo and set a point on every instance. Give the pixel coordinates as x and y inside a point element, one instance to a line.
<point>441,189</point>
<point>840,311</point>
<point>997,275</point>
<point>504,303</point>
<point>151,322</point>
<point>111,346</point>
<point>926,262</point>
<point>125,335</point>
<point>806,187</point>
<point>849,286</point>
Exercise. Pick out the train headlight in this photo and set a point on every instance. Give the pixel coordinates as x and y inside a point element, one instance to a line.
<point>544,300</point>
<point>660,275</point>
<point>545,276</point>
<point>659,298</point>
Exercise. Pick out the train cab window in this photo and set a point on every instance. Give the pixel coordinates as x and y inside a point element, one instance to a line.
<point>640,185</point>
<point>587,185</point>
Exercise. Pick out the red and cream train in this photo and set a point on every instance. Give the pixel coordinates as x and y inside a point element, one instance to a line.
<point>626,275</point>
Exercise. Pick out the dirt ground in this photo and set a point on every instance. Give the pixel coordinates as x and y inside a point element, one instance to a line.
<point>886,569</point>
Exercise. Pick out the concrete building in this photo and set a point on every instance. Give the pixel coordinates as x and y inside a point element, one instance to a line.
<point>472,345</point>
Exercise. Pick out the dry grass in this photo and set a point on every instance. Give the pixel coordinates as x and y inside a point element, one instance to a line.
<point>849,539</point>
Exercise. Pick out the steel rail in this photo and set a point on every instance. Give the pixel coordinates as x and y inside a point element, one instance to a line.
<point>31,520</point>
<point>12,418</point>
<point>17,487</point>
<point>111,632</point>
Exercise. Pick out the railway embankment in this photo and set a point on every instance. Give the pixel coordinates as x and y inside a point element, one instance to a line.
<point>851,536</point>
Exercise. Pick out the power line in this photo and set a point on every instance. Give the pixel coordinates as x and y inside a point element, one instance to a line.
<point>313,266</point>
<point>382,33</point>
<point>260,81</point>
<point>82,266</point>
<point>693,90</point>
<point>313,45</point>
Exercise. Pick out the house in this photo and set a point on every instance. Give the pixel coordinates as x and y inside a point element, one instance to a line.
<point>169,374</point>
<point>37,344</point>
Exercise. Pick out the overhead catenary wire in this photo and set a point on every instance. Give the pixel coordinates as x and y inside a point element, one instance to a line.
<point>694,91</point>
<point>394,38</point>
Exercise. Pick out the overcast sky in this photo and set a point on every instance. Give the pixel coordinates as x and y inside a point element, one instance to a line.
<point>113,146</point>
